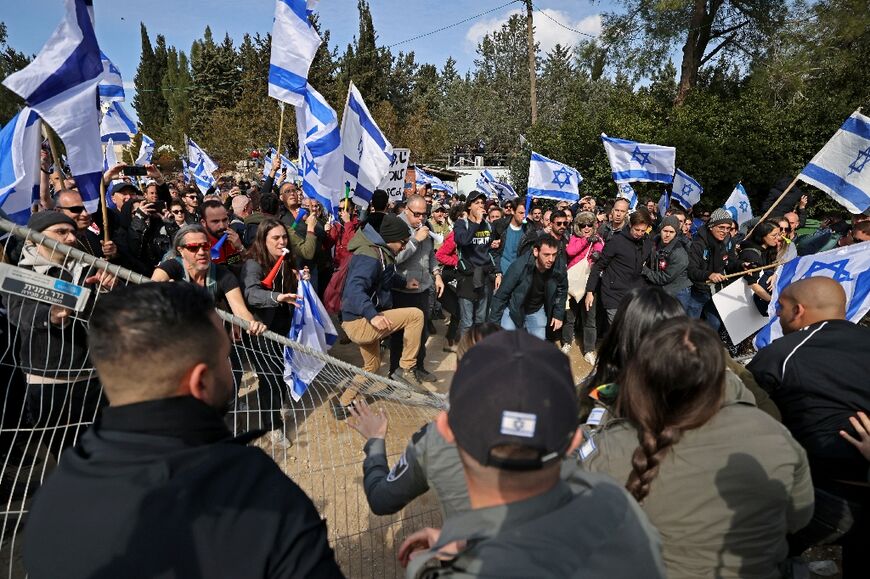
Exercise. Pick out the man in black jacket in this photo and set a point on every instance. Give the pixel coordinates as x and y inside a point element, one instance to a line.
<point>711,257</point>
<point>817,376</point>
<point>158,486</point>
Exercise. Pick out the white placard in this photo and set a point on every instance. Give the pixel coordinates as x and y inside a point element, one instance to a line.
<point>738,312</point>
<point>394,181</point>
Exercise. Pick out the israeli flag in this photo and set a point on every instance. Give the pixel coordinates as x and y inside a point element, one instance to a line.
<point>849,266</point>
<point>195,155</point>
<point>627,192</point>
<point>367,152</point>
<point>685,190</point>
<point>111,86</point>
<point>738,205</point>
<point>424,178</point>
<point>839,168</point>
<point>60,85</point>
<point>146,150</point>
<point>292,169</point>
<point>294,44</point>
<point>117,124</point>
<point>502,190</point>
<point>632,161</point>
<point>664,203</point>
<point>321,163</point>
<point>484,188</point>
<point>313,329</point>
<point>109,158</point>
<point>549,179</point>
<point>203,179</point>
<point>20,142</point>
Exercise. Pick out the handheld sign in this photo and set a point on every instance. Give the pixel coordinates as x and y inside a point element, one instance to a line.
<point>43,288</point>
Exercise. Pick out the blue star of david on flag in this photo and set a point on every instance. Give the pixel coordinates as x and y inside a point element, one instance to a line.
<point>849,266</point>
<point>640,157</point>
<point>551,179</point>
<point>838,169</point>
<point>644,162</point>
<point>685,190</point>
<point>561,177</point>
<point>738,205</point>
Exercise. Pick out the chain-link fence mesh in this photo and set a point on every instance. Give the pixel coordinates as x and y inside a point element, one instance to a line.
<point>51,394</point>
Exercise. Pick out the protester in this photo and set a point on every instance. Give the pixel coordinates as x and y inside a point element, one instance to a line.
<point>533,292</point>
<point>760,250</point>
<point>616,220</point>
<point>70,204</point>
<point>477,272</point>
<point>191,202</point>
<point>343,231</point>
<point>377,209</point>
<point>621,264</point>
<point>438,224</point>
<point>509,231</point>
<point>721,480</point>
<point>242,209</point>
<point>162,357</point>
<point>816,375</point>
<point>583,249</point>
<point>416,261</point>
<point>449,259</point>
<point>711,257</point>
<point>669,263</point>
<point>524,519</point>
<point>535,216</point>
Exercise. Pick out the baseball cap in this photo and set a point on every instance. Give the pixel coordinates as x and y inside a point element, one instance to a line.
<point>512,388</point>
<point>438,207</point>
<point>473,196</point>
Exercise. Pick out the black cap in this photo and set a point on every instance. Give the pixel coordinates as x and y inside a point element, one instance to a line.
<point>394,229</point>
<point>513,388</point>
<point>42,220</point>
<point>474,195</point>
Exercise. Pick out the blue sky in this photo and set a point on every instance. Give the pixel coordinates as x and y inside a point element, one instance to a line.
<point>182,21</point>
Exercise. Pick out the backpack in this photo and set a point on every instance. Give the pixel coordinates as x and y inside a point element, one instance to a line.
<point>335,288</point>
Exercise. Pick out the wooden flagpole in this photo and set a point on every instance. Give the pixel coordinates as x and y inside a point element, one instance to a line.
<point>775,203</point>
<point>753,270</point>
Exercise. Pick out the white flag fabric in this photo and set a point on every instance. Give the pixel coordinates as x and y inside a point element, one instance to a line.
<point>146,150</point>
<point>502,191</point>
<point>313,329</point>
<point>633,161</point>
<point>111,86</point>
<point>20,142</point>
<point>849,266</point>
<point>842,167</point>
<point>664,203</point>
<point>421,177</point>
<point>60,85</point>
<point>292,170</point>
<point>685,190</point>
<point>321,164</point>
<point>294,44</point>
<point>738,205</point>
<point>367,152</point>
<point>549,179</point>
<point>627,192</point>
<point>109,157</point>
<point>117,124</point>
<point>195,155</point>
<point>203,179</point>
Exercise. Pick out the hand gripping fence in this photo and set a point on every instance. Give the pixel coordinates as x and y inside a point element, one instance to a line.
<point>44,415</point>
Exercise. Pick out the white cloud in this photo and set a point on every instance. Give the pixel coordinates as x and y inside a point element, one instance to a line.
<point>547,32</point>
<point>129,85</point>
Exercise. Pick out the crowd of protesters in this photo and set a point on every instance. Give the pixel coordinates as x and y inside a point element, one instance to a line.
<point>677,460</point>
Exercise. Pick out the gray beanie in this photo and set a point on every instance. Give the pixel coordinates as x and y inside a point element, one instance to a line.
<point>721,215</point>
<point>671,221</point>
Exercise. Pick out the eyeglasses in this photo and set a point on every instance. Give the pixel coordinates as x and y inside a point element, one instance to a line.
<point>177,212</point>
<point>194,247</point>
<point>418,213</point>
<point>73,208</point>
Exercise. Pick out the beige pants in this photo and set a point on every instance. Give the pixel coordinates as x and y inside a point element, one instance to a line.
<point>368,338</point>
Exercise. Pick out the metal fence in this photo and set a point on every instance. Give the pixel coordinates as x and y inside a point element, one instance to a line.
<point>324,457</point>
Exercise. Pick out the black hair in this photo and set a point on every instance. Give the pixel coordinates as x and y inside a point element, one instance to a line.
<point>455,212</point>
<point>380,200</point>
<point>546,240</point>
<point>269,203</point>
<point>210,204</point>
<point>763,229</point>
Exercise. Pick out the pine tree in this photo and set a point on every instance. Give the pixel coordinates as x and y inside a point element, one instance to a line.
<point>149,101</point>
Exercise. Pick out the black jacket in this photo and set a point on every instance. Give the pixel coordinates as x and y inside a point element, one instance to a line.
<point>619,268</point>
<point>162,489</point>
<point>498,227</point>
<point>708,255</point>
<point>515,287</point>
<point>817,377</point>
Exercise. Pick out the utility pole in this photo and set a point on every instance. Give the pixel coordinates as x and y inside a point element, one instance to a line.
<point>530,40</point>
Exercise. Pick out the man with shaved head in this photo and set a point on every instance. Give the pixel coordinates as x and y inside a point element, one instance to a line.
<point>818,374</point>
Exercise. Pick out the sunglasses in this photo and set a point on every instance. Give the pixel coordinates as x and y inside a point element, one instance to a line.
<point>419,213</point>
<point>72,209</point>
<point>194,247</point>
<point>192,196</point>
<point>177,212</point>
<point>587,225</point>
<point>559,223</point>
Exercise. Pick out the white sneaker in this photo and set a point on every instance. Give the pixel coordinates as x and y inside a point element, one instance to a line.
<point>278,439</point>
<point>566,348</point>
<point>590,358</point>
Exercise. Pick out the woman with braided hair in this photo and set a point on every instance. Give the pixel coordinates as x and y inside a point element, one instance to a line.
<point>722,481</point>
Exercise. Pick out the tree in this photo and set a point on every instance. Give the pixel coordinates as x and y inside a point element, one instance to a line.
<point>557,76</point>
<point>176,88</point>
<point>149,101</point>
<point>364,63</point>
<point>649,30</point>
<point>10,61</point>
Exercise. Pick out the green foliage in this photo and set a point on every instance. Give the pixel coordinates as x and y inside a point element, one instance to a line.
<point>10,61</point>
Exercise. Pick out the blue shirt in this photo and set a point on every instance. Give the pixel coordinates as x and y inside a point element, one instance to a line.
<point>510,245</point>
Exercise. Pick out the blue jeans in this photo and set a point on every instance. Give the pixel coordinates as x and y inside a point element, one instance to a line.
<point>684,296</point>
<point>701,306</point>
<point>534,323</point>
<point>472,312</point>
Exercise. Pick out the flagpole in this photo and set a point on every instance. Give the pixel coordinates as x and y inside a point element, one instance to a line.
<point>55,158</point>
<point>280,127</point>
<point>753,270</point>
<point>775,203</point>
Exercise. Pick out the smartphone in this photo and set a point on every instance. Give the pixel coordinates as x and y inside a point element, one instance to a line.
<point>158,206</point>
<point>135,171</point>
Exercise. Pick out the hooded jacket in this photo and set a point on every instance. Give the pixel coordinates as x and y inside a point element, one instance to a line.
<point>371,275</point>
<point>515,286</point>
<point>667,267</point>
<point>56,352</point>
<point>726,493</point>
<point>709,255</point>
<point>619,268</point>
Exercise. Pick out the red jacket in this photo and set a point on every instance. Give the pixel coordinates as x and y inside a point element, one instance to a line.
<point>340,234</point>
<point>446,254</point>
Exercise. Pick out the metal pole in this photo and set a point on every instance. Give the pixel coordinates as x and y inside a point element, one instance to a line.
<point>530,40</point>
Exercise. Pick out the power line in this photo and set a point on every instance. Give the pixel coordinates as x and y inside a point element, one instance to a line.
<point>463,21</point>
<point>565,26</point>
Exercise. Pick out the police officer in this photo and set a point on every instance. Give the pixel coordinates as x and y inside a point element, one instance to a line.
<point>513,417</point>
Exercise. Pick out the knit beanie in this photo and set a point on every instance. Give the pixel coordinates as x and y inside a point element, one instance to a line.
<point>719,216</point>
<point>671,221</point>
<point>42,220</point>
<point>394,229</point>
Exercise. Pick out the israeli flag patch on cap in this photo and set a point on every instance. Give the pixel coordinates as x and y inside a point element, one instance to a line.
<point>518,424</point>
